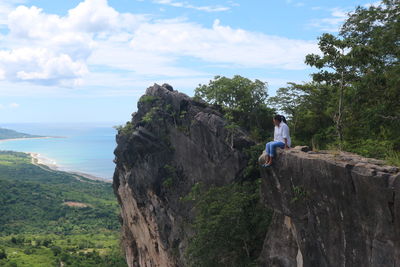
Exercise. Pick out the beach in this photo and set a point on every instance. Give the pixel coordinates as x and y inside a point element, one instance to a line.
<point>38,159</point>
<point>79,148</point>
<point>51,165</point>
<point>24,138</point>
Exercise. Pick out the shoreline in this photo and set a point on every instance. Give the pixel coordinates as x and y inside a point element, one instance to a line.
<point>39,160</point>
<point>23,138</point>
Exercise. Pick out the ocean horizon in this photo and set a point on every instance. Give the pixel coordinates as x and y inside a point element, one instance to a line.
<point>83,147</point>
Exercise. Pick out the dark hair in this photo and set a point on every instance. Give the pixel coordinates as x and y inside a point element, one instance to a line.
<point>280,118</point>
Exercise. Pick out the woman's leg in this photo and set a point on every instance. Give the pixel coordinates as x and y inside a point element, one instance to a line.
<point>272,150</point>
<point>267,150</point>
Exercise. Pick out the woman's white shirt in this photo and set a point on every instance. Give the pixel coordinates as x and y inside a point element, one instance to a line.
<point>281,132</point>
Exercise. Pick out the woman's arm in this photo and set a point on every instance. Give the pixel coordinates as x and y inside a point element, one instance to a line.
<point>285,135</point>
<point>286,145</point>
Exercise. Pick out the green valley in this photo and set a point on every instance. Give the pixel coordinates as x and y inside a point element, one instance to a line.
<point>54,218</point>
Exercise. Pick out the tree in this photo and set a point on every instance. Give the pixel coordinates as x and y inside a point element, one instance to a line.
<point>310,109</point>
<point>3,254</point>
<point>230,225</point>
<point>336,70</point>
<point>358,81</point>
<point>374,37</point>
<point>243,101</point>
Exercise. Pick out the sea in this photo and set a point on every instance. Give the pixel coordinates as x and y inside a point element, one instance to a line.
<point>79,147</point>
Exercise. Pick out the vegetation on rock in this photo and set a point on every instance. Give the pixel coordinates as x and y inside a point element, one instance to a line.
<point>230,225</point>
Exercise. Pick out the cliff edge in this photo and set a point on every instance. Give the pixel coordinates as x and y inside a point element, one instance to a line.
<point>331,209</point>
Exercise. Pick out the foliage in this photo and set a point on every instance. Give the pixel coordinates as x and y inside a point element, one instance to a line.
<point>28,192</point>
<point>148,117</point>
<point>252,171</point>
<point>147,99</point>
<point>300,194</point>
<point>170,176</point>
<point>310,113</point>
<point>95,249</point>
<point>353,100</point>
<point>230,225</point>
<point>243,101</point>
<point>3,254</point>
<point>393,158</point>
<point>125,129</point>
<point>38,229</point>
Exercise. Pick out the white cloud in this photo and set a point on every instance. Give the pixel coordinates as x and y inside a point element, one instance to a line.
<point>2,74</point>
<point>52,50</point>
<point>41,66</point>
<point>13,105</point>
<point>295,4</point>
<point>374,4</point>
<point>221,44</point>
<point>217,8</point>
<point>6,6</point>
<point>9,106</point>
<point>232,3</point>
<point>337,17</point>
<point>332,23</point>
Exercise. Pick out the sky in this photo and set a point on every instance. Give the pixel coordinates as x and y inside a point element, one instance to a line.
<point>91,60</point>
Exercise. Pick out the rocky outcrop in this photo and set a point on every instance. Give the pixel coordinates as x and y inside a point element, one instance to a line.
<point>171,143</point>
<point>331,209</point>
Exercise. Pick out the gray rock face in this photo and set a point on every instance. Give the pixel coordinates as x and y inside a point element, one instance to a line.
<point>331,210</point>
<point>171,143</point>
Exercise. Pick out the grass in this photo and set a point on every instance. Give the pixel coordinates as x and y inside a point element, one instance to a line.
<point>393,158</point>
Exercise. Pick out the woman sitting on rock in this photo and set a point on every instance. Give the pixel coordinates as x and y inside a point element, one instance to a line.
<point>281,139</point>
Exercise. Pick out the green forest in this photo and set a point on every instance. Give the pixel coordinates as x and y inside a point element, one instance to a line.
<point>353,100</point>
<point>51,217</point>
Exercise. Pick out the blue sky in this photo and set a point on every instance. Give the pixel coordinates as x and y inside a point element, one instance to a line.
<point>90,60</point>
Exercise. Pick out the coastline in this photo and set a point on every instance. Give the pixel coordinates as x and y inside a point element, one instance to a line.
<point>23,138</point>
<point>51,165</point>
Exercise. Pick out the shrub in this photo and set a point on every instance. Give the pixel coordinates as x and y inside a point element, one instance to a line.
<point>230,225</point>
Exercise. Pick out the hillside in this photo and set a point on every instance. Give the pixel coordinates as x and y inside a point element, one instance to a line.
<point>49,217</point>
<point>11,134</point>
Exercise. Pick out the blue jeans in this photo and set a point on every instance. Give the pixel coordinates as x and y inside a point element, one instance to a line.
<point>270,147</point>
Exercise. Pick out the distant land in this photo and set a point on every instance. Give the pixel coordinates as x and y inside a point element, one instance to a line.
<point>54,218</point>
<point>11,134</point>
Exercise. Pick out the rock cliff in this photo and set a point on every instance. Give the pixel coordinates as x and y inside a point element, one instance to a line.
<point>171,143</point>
<point>331,209</point>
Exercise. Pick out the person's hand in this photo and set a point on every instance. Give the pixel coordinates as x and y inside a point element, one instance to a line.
<point>286,147</point>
